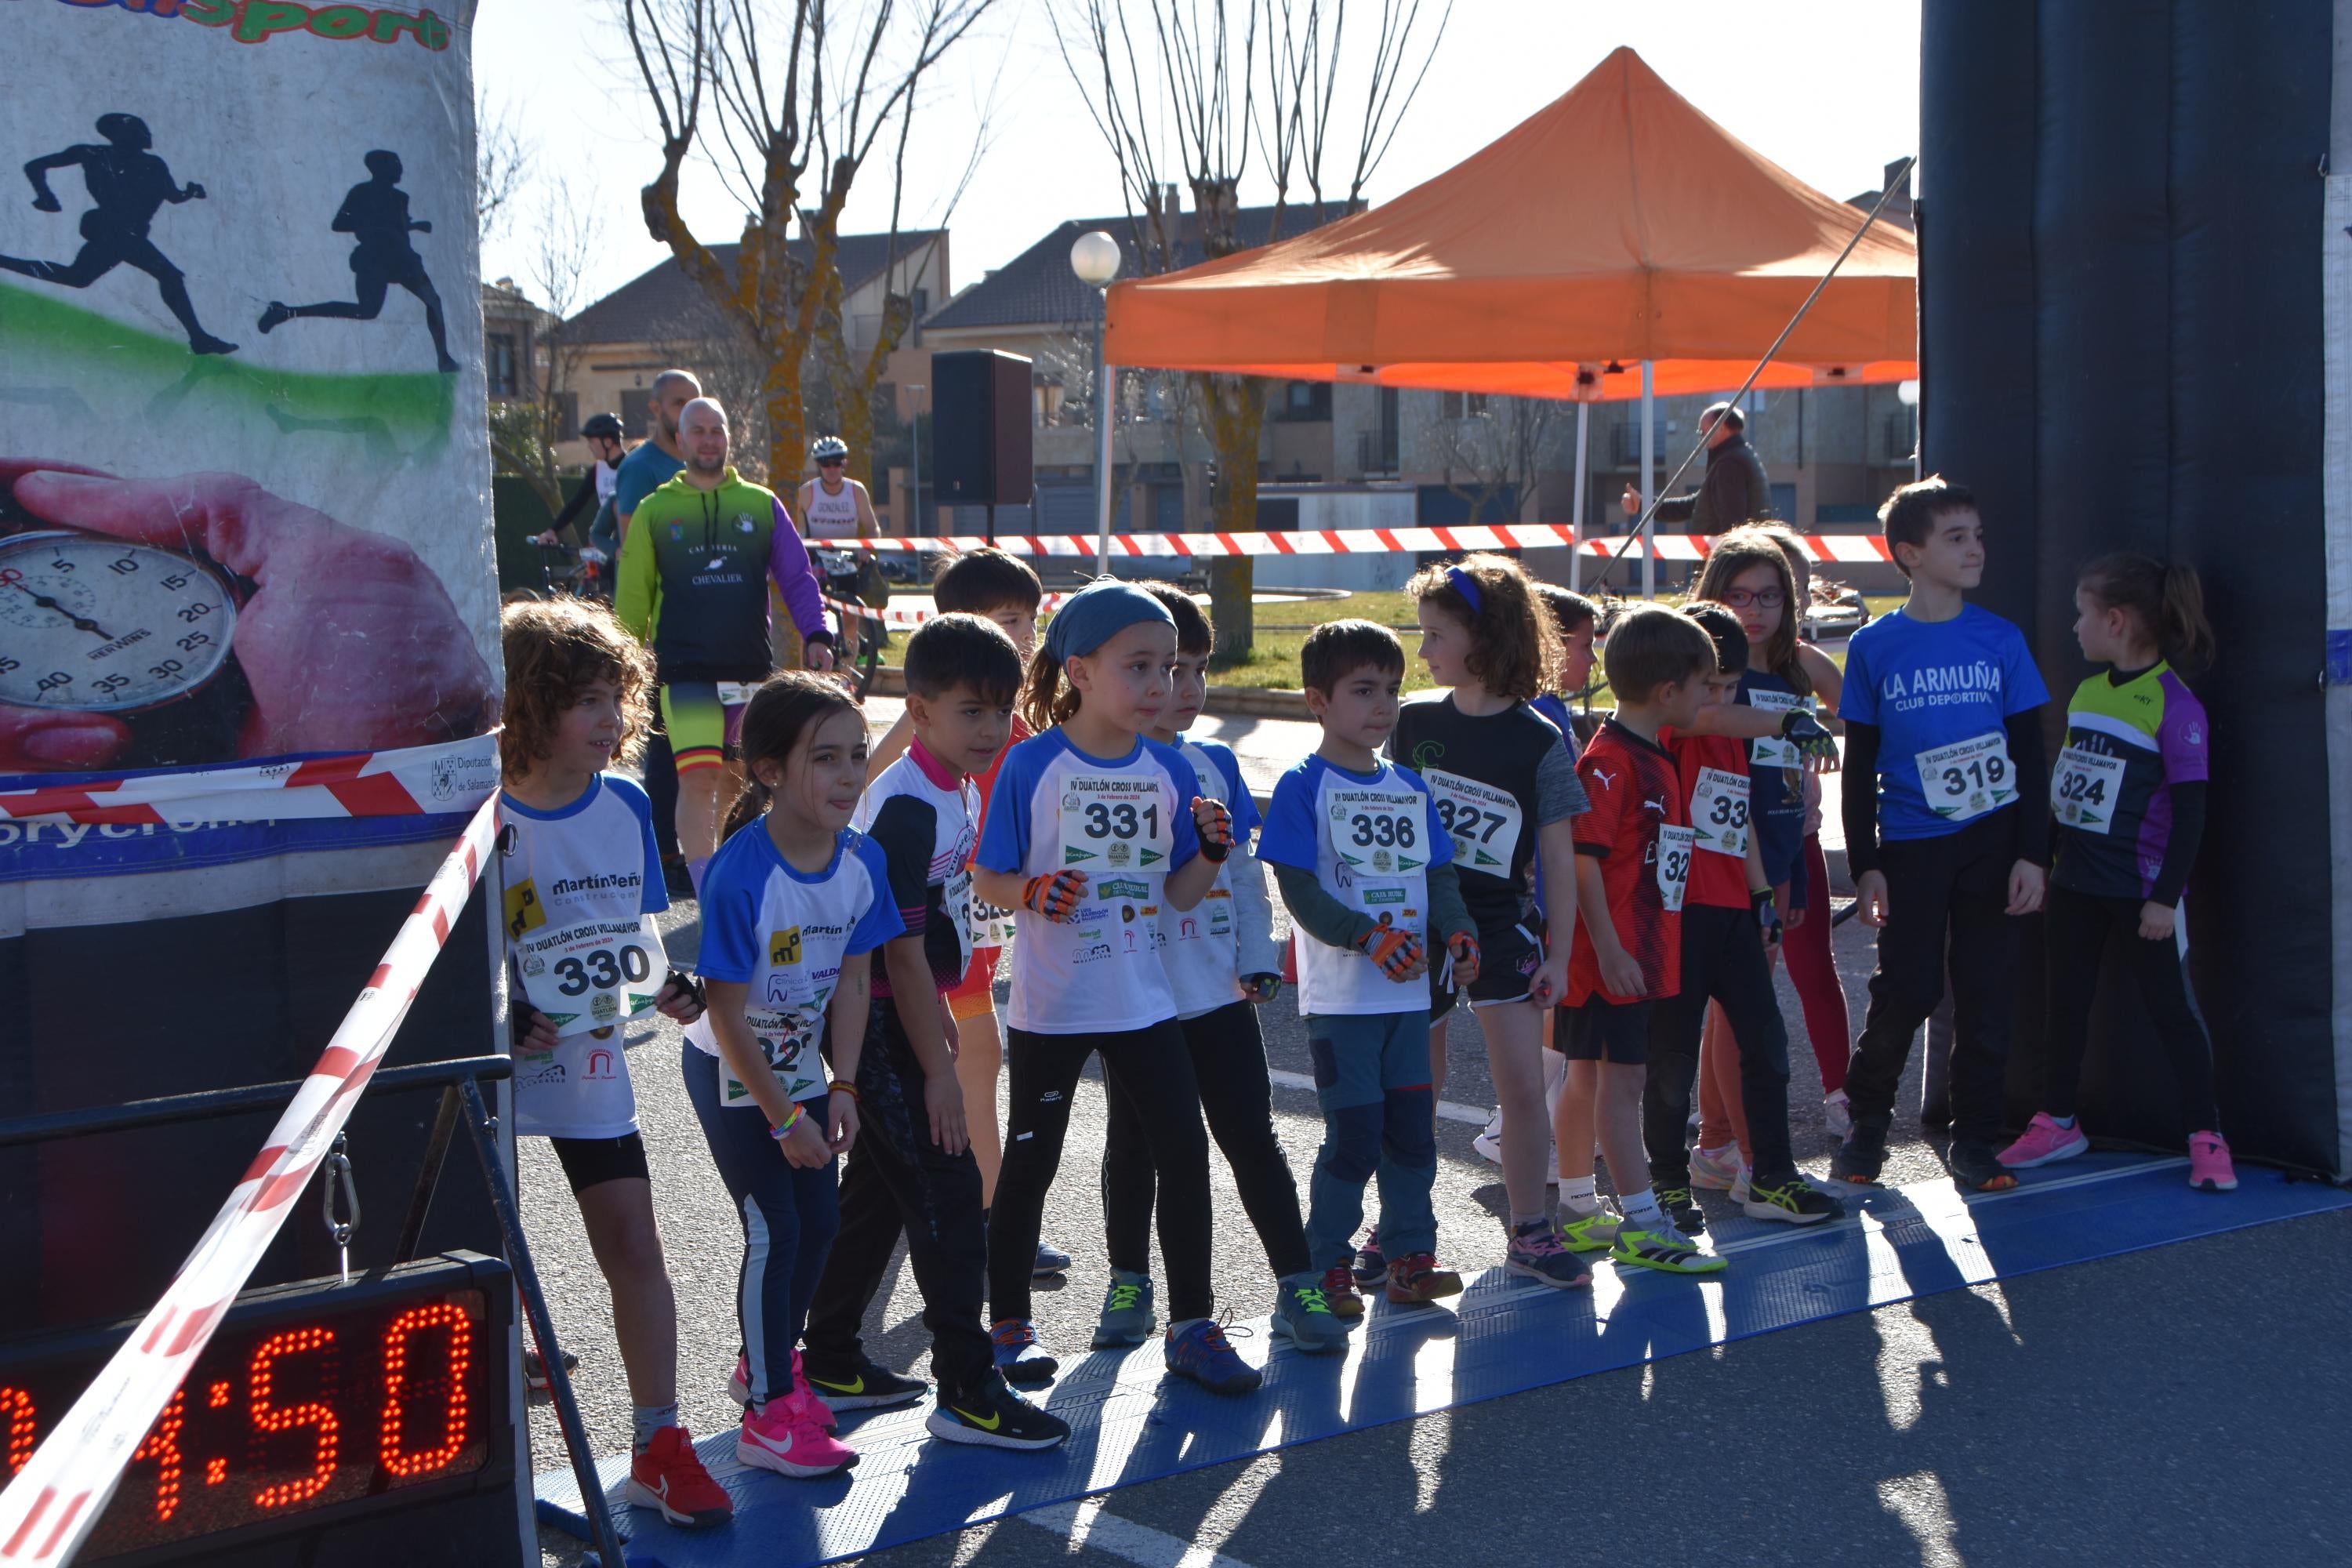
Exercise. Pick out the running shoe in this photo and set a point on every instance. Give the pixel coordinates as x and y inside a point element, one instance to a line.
<point>535,1369</point>
<point>1682,1207</point>
<point>784,1439</point>
<point>1977,1168</point>
<point>2209,1170</point>
<point>1371,1263</point>
<point>1051,1260</point>
<point>1741,1188</point>
<point>2045,1142</point>
<point>1339,1292</point>
<point>996,1418</point>
<point>1416,1280</point>
<point>739,1389</point>
<point>1126,1318</point>
<point>667,1475</point>
<point>1303,1315</point>
<point>1201,1351</point>
<point>1489,1145</point>
<point>866,1386</point>
<point>1668,1251</point>
<point>1017,1356</point>
<point>1835,1115</point>
<point>1717,1170</point>
<point>1861,1157</point>
<point>1595,1232</point>
<point>1795,1201</point>
<point>1535,1253</point>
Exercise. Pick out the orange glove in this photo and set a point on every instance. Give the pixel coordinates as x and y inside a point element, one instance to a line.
<point>1465,949</point>
<point>1395,951</point>
<point>1055,895</point>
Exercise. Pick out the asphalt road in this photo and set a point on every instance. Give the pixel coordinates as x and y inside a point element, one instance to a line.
<point>2180,1406</point>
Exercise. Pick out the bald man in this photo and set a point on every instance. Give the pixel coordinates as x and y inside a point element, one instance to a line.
<point>693,585</point>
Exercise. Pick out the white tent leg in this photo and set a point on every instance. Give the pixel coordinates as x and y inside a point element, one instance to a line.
<point>1576,554</point>
<point>1649,482</point>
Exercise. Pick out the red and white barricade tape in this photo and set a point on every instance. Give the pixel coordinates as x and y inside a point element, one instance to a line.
<point>63,1489</point>
<point>1829,549</point>
<point>898,615</point>
<point>418,782</point>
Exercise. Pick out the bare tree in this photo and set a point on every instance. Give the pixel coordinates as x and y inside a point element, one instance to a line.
<point>788,100</point>
<point>502,156</point>
<point>1489,454</point>
<point>525,431</point>
<point>1189,91</point>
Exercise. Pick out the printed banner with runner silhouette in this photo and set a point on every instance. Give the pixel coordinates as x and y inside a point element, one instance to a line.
<point>244,472</point>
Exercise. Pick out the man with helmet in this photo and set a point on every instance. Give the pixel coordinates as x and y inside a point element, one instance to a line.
<point>605,450</point>
<point>833,505</point>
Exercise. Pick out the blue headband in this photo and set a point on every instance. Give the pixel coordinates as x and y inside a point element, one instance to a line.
<point>1467,586</point>
<point>1097,613</point>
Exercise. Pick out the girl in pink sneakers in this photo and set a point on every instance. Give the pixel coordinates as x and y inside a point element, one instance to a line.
<point>793,905</point>
<point>2128,798</point>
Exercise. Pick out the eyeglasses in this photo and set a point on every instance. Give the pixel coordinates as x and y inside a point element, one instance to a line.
<point>834,463</point>
<point>1765,599</point>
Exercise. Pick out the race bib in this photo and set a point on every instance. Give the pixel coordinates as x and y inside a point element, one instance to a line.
<point>593,974</point>
<point>1116,824</point>
<point>1770,751</point>
<point>955,899</point>
<point>2084,791</point>
<point>991,924</point>
<point>1968,778</point>
<point>1482,821</point>
<point>735,693</point>
<point>1378,833</point>
<point>787,1039</point>
<point>1718,811</point>
<point>1675,848</point>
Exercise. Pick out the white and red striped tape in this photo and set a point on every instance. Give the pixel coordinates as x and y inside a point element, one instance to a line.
<point>1849,549</point>
<point>900,615</point>
<point>417,781</point>
<point>57,1497</point>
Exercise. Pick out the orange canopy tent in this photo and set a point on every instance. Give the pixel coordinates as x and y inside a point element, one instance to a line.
<point>1619,224</point>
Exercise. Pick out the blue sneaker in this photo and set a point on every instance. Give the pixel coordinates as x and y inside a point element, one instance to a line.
<point>1201,1351</point>
<point>1127,1315</point>
<point>1017,1356</point>
<point>1051,1260</point>
<point>1371,1263</point>
<point>1303,1315</point>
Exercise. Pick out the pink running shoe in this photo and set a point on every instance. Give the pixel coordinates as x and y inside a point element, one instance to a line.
<point>2045,1142</point>
<point>2209,1170</point>
<point>784,1439</point>
<point>739,1389</point>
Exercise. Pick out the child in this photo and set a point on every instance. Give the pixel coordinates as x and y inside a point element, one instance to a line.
<point>1632,865</point>
<point>1940,704</point>
<point>1002,588</point>
<point>582,878</point>
<point>1223,966</point>
<point>1092,828</point>
<point>793,905</point>
<point>912,1172</point>
<point>1365,869</point>
<point>1505,786</point>
<point>1728,905</point>
<point>2130,804</point>
<point>1756,573</point>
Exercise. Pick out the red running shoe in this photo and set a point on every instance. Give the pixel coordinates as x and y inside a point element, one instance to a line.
<point>1339,1292</point>
<point>669,1475</point>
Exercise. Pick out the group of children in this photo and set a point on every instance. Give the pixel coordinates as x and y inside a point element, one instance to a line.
<point>1610,904</point>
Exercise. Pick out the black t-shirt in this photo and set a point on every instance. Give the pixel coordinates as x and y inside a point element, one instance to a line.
<point>1497,780</point>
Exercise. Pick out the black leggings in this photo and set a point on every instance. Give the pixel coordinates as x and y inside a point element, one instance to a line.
<point>1229,1068</point>
<point>1151,1067</point>
<point>2077,930</point>
<point>1722,959</point>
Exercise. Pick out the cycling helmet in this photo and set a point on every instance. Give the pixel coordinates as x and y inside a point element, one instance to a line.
<point>603,424</point>
<point>829,447</point>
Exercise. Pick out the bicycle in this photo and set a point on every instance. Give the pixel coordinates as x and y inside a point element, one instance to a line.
<point>585,578</point>
<point>845,577</point>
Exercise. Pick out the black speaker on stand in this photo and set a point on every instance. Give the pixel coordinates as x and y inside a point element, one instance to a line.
<point>980,446</point>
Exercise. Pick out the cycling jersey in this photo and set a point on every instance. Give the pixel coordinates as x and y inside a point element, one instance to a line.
<point>832,516</point>
<point>925,816</point>
<point>2128,742</point>
<point>690,583</point>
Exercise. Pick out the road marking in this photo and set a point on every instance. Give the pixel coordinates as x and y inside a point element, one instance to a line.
<point>1447,1110</point>
<point>1086,1523</point>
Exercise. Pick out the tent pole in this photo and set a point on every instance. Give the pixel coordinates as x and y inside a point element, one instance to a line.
<point>1104,377</point>
<point>1575,551</point>
<point>1649,480</point>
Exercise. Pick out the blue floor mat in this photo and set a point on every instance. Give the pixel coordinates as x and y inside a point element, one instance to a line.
<point>1504,1337</point>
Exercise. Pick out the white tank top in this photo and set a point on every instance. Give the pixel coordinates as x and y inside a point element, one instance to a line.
<point>831,516</point>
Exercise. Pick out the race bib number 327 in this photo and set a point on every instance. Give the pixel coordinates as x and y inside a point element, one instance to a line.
<point>1482,821</point>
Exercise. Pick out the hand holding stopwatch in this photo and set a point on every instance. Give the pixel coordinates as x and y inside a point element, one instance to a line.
<point>347,641</point>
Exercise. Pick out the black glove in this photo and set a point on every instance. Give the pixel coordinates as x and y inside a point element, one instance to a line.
<point>1807,733</point>
<point>693,987</point>
<point>1768,915</point>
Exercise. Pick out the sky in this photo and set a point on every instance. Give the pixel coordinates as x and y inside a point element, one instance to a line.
<point>1827,89</point>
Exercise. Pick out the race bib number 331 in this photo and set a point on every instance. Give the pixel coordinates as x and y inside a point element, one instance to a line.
<point>1120,824</point>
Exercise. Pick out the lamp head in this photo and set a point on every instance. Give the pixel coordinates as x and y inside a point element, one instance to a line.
<point>1095,258</point>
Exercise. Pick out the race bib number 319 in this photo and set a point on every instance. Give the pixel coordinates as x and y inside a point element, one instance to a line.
<point>1968,778</point>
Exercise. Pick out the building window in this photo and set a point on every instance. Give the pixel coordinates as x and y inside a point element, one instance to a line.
<point>499,356</point>
<point>1464,405</point>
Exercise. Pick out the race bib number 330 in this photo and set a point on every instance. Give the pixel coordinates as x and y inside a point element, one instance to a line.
<point>593,974</point>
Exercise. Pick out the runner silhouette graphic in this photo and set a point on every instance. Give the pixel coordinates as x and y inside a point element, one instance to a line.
<point>128,183</point>
<point>375,213</point>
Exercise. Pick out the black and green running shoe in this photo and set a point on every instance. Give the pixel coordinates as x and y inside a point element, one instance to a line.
<point>1682,1207</point>
<point>866,1386</point>
<point>1667,1251</point>
<point>1791,1200</point>
<point>995,1417</point>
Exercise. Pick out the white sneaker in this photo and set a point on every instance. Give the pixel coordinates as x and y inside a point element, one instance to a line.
<point>1835,1116</point>
<point>1489,1145</point>
<point>1717,1170</point>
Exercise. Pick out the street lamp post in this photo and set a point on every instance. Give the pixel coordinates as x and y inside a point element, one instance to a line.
<point>915,390</point>
<point>1095,258</point>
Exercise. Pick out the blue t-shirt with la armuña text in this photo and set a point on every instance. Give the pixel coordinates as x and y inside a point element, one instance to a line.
<point>1929,684</point>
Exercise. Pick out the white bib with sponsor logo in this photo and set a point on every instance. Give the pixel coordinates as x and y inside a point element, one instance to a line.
<point>1676,846</point>
<point>1968,778</point>
<point>588,975</point>
<point>1718,811</point>
<point>1115,824</point>
<point>1770,751</point>
<point>2084,791</point>
<point>1482,821</point>
<point>1385,876</point>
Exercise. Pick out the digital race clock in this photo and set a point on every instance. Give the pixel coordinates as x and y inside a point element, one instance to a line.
<point>313,1403</point>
